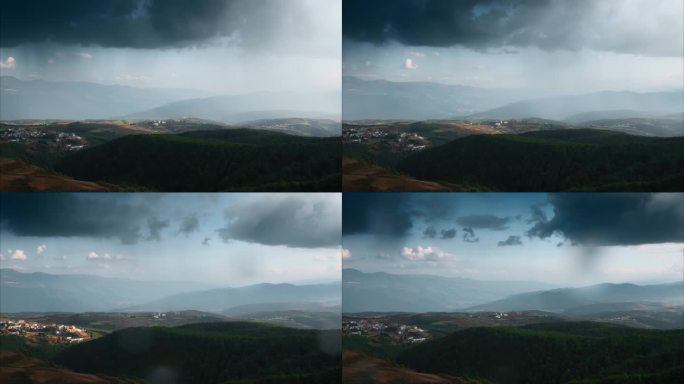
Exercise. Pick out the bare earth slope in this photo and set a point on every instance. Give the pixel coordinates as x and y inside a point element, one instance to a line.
<point>358,368</point>
<point>359,175</point>
<point>18,176</point>
<point>18,368</point>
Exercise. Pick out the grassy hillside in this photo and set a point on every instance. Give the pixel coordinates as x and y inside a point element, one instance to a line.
<point>581,159</point>
<point>581,352</point>
<point>39,350</point>
<point>232,352</point>
<point>219,160</point>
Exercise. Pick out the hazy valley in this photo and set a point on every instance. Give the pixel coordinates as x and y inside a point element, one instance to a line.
<point>595,141</point>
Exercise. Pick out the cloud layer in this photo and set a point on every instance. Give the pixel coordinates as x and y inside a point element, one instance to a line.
<point>297,220</point>
<point>393,214</point>
<point>485,221</point>
<point>637,26</point>
<point>70,215</point>
<point>147,23</point>
<point>614,219</point>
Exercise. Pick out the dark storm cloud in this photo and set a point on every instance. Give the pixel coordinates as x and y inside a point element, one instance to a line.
<point>469,235</point>
<point>484,24</point>
<point>303,221</point>
<point>485,221</point>
<point>141,23</point>
<point>537,213</point>
<point>430,232</point>
<point>377,213</point>
<point>444,234</point>
<point>392,214</point>
<point>189,224</point>
<point>155,226</point>
<point>70,215</point>
<point>614,219</point>
<point>511,241</point>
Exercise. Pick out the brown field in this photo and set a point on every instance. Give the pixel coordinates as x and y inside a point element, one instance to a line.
<point>358,175</point>
<point>17,368</point>
<point>18,176</point>
<point>358,368</point>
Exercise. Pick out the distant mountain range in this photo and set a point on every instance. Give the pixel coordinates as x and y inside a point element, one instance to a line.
<point>69,100</point>
<point>585,117</point>
<point>222,299</point>
<point>384,292</point>
<point>595,298</point>
<point>592,106</point>
<point>42,292</point>
<point>240,108</point>
<point>41,99</point>
<point>382,99</point>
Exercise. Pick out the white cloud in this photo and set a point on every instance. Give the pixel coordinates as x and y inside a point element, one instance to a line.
<point>10,63</point>
<point>92,255</point>
<point>84,55</point>
<point>417,54</point>
<point>96,256</point>
<point>101,257</point>
<point>17,254</point>
<point>346,254</point>
<point>409,64</point>
<point>423,253</point>
<point>41,248</point>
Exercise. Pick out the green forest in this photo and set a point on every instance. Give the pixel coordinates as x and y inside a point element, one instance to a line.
<point>554,160</point>
<point>226,353</point>
<point>573,352</point>
<point>226,160</point>
<point>214,160</point>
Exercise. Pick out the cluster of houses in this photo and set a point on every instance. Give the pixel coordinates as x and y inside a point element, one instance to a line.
<point>362,135</point>
<point>400,142</point>
<point>395,332</point>
<point>50,333</point>
<point>66,141</point>
<point>12,134</point>
<point>157,123</point>
<point>499,315</point>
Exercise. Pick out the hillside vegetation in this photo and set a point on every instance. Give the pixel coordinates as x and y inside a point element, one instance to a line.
<point>582,352</point>
<point>229,352</point>
<point>559,160</point>
<point>219,160</point>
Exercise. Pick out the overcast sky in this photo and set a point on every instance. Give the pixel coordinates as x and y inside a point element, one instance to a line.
<point>569,239</point>
<point>552,45</point>
<point>224,46</point>
<point>228,239</point>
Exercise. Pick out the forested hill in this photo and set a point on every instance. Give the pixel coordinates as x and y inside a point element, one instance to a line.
<point>219,160</point>
<point>561,160</point>
<point>229,352</point>
<point>583,352</point>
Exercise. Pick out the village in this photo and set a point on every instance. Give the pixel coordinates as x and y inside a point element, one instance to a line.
<point>46,333</point>
<point>33,135</point>
<point>394,141</point>
<point>398,333</point>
